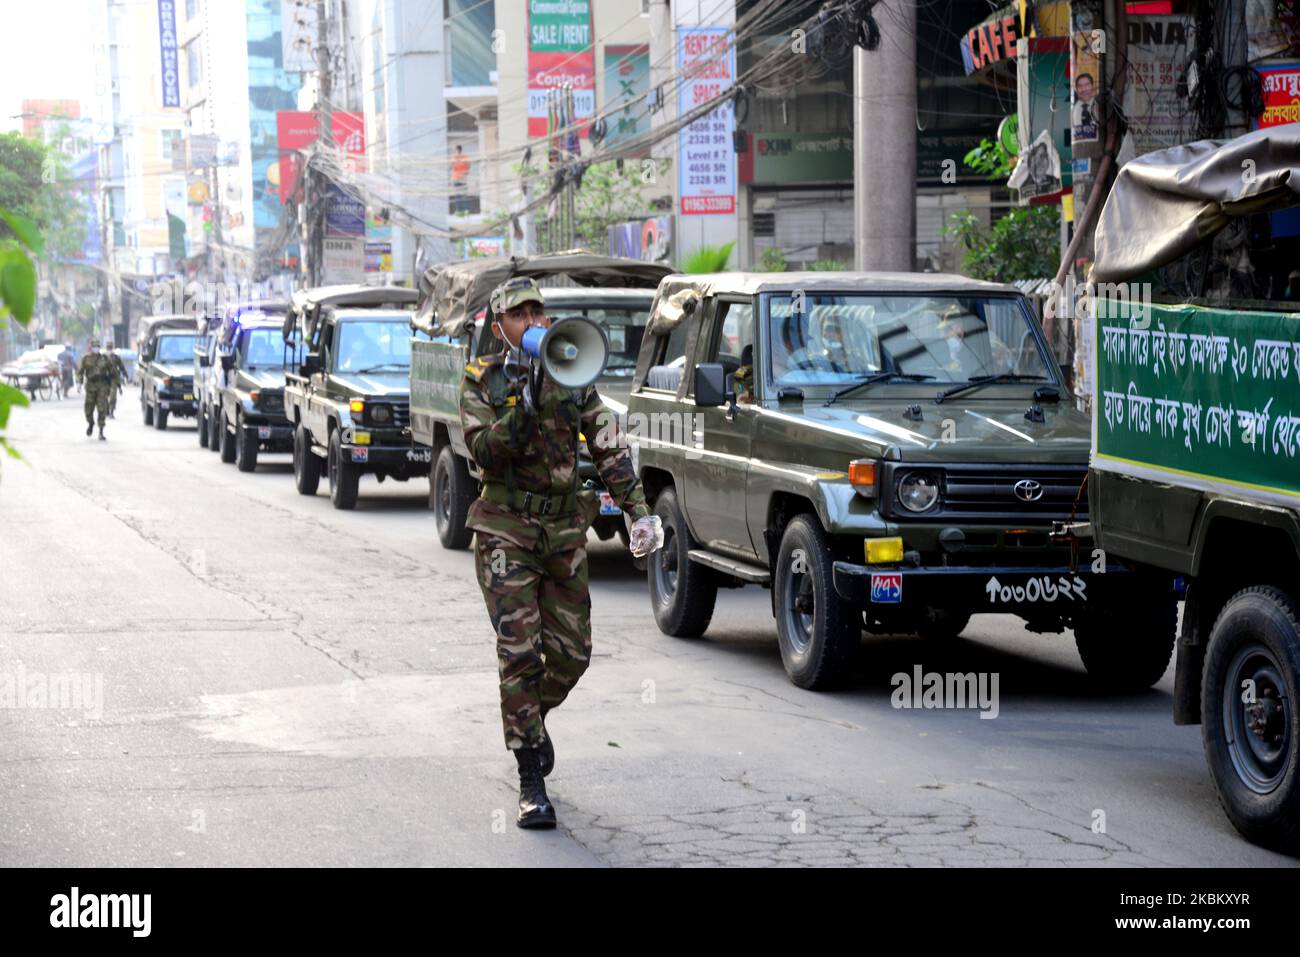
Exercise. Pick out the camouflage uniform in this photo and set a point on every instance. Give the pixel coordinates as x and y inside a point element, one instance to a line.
<point>531,523</point>
<point>98,378</point>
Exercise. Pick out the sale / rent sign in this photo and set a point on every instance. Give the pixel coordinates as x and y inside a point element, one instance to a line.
<point>560,54</point>
<point>706,63</point>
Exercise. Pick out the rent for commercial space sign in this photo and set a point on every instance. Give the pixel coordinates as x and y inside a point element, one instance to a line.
<point>560,54</point>
<point>706,65</point>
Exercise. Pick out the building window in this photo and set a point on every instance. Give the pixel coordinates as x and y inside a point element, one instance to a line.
<point>194,63</point>
<point>168,138</point>
<point>191,9</point>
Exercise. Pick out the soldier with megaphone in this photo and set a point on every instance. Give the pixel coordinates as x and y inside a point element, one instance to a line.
<point>523,410</point>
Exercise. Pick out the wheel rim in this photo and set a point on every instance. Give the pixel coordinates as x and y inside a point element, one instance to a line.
<point>1258,732</point>
<point>800,608</point>
<point>665,568</point>
<point>442,493</point>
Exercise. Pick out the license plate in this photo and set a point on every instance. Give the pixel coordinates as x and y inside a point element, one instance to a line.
<point>263,431</point>
<point>607,504</point>
<point>360,455</point>
<point>189,398</point>
<point>886,588</point>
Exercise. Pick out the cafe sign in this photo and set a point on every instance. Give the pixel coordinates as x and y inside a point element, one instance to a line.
<point>992,41</point>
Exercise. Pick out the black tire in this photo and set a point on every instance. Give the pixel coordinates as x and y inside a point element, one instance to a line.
<point>46,389</point>
<point>942,625</point>
<point>245,448</point>
<point>1256,769</point>
<point>682,593</point>
<point>1127,637</point>
<point>160,419</point>
<point>147,409</point>
<point>306,464</point>
<point>345,477</point>
<point>226,440</point>
<point>451,492</point>
<point>214,432</point>
<point>202,423</point>
<point>818,634</point>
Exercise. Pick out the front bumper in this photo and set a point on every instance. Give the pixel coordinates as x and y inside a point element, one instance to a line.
<point>991,588</point>
<point>412,459</point>
<point>178,404</point>
<point>272,436</point>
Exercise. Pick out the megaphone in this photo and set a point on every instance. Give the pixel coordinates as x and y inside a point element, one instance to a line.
<point>572,351</point>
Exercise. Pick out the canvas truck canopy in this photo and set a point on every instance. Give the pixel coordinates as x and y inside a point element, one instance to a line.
<point>1164,204</point>
<point>451,294</point>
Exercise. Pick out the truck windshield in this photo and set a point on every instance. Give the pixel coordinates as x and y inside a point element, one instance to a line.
<point>175,349</point>
<point>263,348</point>
<point>835,339</point>
<point>625,325</point>
<point>374,346</point>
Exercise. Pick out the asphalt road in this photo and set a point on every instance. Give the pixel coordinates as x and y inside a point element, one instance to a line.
<point>280,683</point>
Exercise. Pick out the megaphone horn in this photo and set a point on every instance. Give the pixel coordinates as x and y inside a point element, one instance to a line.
<point>573,351</point>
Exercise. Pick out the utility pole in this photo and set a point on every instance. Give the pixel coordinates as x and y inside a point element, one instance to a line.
<point>884,144</point>
<point>315,193</point>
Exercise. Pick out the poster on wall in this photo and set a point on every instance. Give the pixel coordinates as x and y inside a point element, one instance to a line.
<point>1083,92</point>
<point>560,54</point>
<point>1158,47</point>
<point>1281,88</point>
<point>706,64</point>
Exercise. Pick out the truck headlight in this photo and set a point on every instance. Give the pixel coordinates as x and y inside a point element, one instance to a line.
<point>379,414</point>
<point>918,491</point>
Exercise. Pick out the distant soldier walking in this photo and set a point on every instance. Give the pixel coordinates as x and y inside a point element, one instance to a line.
<point>119,377</point>
<point>531,522</point>
<point>98,377</point>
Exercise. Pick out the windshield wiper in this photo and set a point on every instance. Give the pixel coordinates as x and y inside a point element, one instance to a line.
<point>878,377</point>
<point>383,366</point>
<point>980,380</point>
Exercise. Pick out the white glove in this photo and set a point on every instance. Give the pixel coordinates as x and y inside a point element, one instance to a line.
<point>647,535</point>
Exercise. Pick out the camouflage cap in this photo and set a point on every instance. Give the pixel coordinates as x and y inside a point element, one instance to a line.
<point>515,292</point>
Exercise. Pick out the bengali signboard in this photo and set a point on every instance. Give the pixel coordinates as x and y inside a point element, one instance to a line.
<point>168,47</point>
<point>298,129</point>
<point>345,214</point>
<point>627,81</point>
<point>1281,88</point>
<point>1205,398</point>
<point>560,54</point>
<point>706,65</point>
<point>649,239</point>
<point>797,158</point>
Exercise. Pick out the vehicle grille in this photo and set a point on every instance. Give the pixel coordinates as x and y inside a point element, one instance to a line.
<point>182,383</point>
<point>401,415</point>
<point>988,492</point>
<point>271,401</point>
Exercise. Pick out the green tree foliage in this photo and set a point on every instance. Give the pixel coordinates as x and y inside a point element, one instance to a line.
<point>35,184</point>
<point>608,196</point>
<point>772,260</point>
<point>1024,244</point>
<point>707,259</point>
<point>17,297</point>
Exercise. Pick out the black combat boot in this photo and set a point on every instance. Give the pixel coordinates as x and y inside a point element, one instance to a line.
<point>535,809</point>
<point>101,434</point>
<point>90,429</point>
<point>547,750</point>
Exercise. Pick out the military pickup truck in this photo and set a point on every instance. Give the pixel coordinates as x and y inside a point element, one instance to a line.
<point>452,326</point>
<point>166,368</point>
<point>209,376</point>
<point>1196,456</point>
<point>886,451</point>
<point>346,388</point>
<point>249,408</point>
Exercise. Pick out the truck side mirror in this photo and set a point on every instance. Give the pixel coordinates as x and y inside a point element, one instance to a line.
<point>204,361</point>
<point>311,363</point>
<point>710,385</point>
<point>227,361</point>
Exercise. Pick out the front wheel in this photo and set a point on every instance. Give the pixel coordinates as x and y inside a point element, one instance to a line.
<point>344,476</point>
<point>1126,639</point>
<point>450,494</point>
<point>817,633</point>
<point>245,448</point>
<point>306,466</point>
<point>226,442</point>
<point>147,410</point>
<point>160,418</point>
<point>682,593</point>
<point>1251,722</point>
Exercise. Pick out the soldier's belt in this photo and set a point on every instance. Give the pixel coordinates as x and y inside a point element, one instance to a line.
<point>533,503</point>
